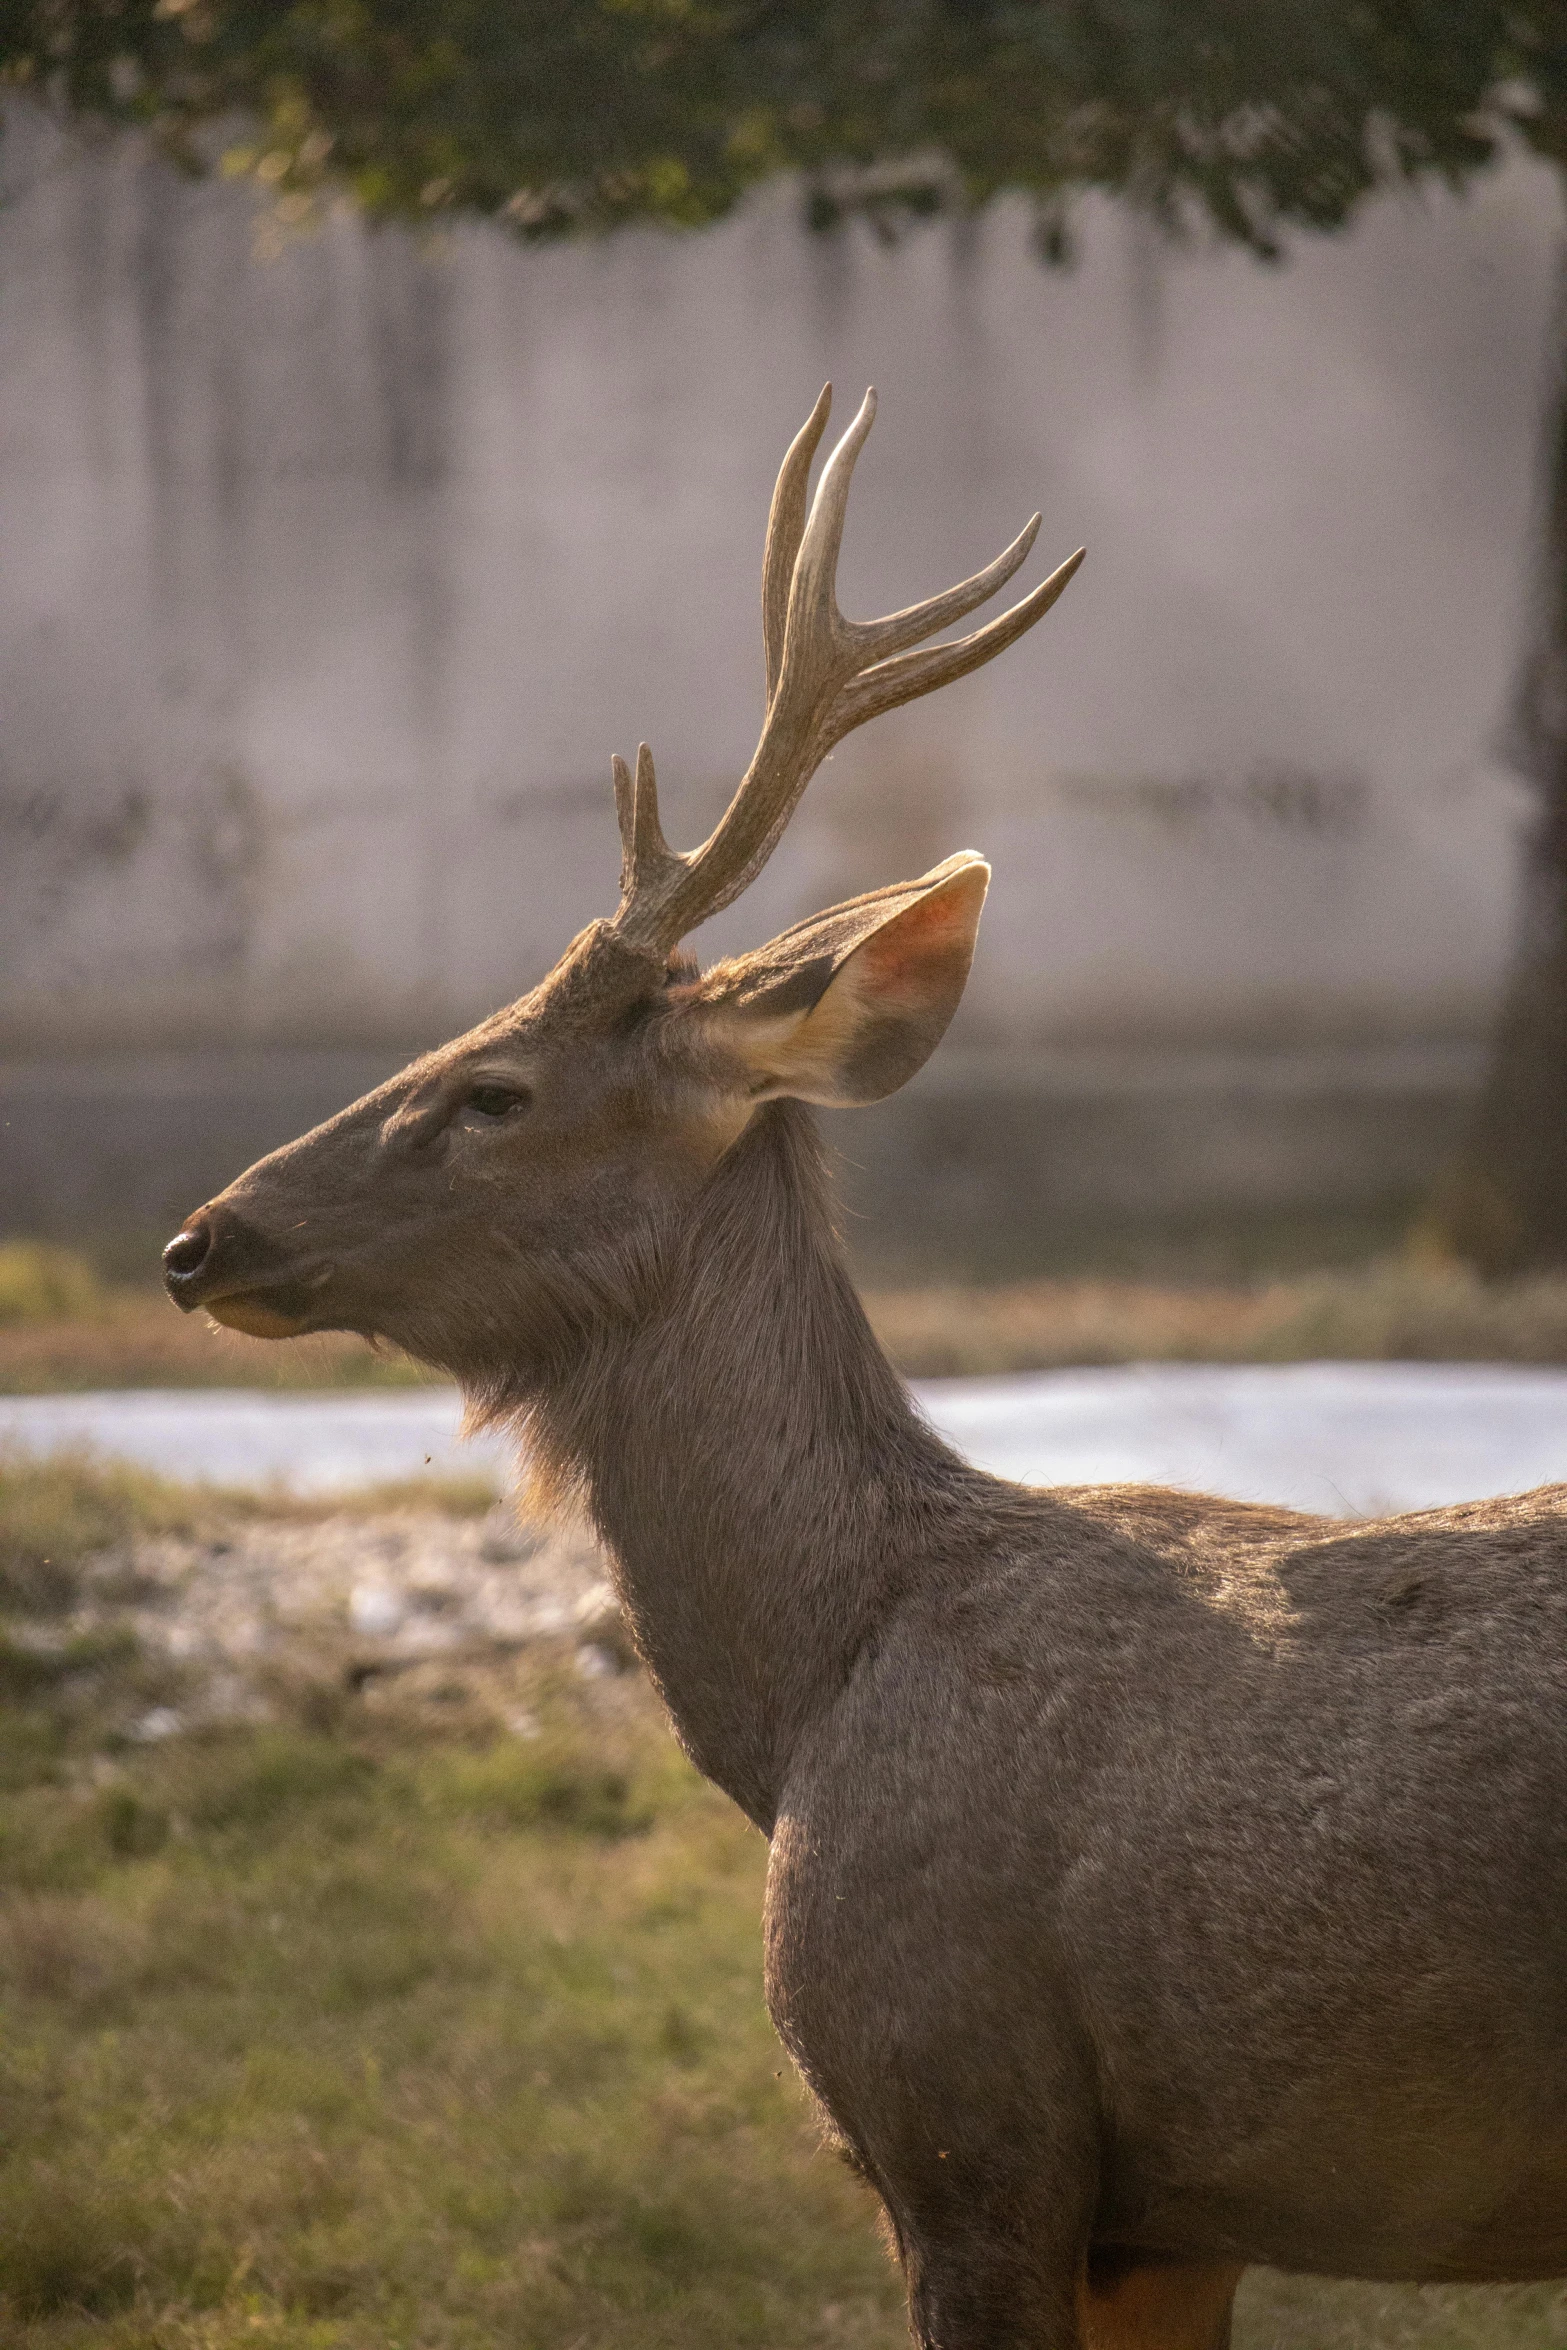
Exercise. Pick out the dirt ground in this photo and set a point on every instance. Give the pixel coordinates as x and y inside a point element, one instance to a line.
<point>235,1620</point>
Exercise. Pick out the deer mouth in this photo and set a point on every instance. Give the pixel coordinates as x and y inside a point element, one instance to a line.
<point>265,1301</point>
<point>271,1309</point>
<point>262,1313</point>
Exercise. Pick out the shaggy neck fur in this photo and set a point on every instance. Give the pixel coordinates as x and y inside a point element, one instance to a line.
<point>753,1462</point>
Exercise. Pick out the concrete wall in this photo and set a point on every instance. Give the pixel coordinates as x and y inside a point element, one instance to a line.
<point>987,1165</point>
<point>330,582</point>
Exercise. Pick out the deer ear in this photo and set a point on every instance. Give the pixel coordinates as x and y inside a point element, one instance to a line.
<point>844,1009</point>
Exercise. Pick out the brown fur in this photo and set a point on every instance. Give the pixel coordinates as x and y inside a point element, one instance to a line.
<point>1156,1880</point>
<point>1157,1884</point>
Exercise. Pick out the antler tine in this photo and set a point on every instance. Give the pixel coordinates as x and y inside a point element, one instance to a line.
<point>825,676</point>
<point>813,600</point>
<point>785,529</point>
<point>646,858</point>
<point>652,848</point>
<point>625,817</point>
<point>899,629</point>
<point>912,674</point>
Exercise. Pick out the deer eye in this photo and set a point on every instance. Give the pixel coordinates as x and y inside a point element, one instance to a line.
<point>495,1102</point>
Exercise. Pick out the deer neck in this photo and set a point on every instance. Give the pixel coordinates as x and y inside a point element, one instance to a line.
<point>753,1463</point>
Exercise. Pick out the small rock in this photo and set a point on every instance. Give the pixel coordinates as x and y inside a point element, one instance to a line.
<point>374,1610</point>
<point>162,1722</point>
<point>425,1636</point>
<point>229,1700</point>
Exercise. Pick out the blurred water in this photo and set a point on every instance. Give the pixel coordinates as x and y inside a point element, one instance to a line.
<point>1334,1437</point>
<point>231,1436</point>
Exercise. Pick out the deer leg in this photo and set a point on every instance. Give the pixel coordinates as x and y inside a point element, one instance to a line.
<point>1125,2303</point>
<point>992,2262</point>
<point>985,2289</point>
<point>981,2293</point>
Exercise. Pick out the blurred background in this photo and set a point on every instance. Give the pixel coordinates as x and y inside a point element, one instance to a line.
<point>335,572</point>
<point>390,397</point>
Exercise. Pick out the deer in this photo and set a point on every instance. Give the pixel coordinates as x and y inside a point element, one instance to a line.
<point>1158,1884</point>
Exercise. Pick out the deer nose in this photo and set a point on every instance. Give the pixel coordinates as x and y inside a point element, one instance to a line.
<point>187,1250</point>
<point>184,1257</point>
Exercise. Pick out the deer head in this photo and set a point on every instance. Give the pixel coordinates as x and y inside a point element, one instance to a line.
<point>478,1205</point>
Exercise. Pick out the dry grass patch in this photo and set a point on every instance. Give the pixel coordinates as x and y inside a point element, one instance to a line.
<point>64,1330</point>
<point>1391,1311</point>
<point>61,1510</point>
<point>141,1340</point>
<point>43,1284</point>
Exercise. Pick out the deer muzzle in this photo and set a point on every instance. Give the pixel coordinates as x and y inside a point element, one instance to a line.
<point>218,1261</point>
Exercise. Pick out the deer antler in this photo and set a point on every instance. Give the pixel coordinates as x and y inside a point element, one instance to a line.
<point>825,676</point>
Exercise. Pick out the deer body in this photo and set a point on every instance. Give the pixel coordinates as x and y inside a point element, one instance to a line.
<point>1158,1884</point>
<point>1205,1819</point>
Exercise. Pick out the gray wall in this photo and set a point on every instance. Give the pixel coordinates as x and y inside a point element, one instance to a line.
<point>330,582</point>
<point>988,1164</point>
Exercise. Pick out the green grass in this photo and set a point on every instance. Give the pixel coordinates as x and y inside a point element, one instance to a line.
<point>57,1512</point>
<point>365,2041</point>
<point>354,2031</point>
<point>356,2039</point>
